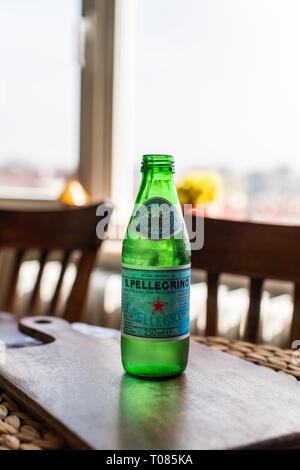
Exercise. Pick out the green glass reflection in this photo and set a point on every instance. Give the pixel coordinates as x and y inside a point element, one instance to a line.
<point>149,411</point>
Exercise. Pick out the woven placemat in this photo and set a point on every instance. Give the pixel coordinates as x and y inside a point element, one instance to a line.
<point>280,360</point>
<point>19,431</point>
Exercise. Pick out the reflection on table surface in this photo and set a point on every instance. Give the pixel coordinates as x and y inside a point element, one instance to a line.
<point>146,406</point>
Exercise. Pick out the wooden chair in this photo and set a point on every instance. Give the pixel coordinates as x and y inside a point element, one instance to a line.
<point>258,251</point>
<point>67,230</point>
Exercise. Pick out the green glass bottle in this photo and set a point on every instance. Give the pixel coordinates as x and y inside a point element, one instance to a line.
<point>156,277</point>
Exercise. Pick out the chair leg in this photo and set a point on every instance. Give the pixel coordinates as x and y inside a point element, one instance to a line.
<point>212,304</point>
<point>295,329</point>
<point>251,333</point>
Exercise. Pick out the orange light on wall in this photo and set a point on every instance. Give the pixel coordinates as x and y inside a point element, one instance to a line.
<point>74,194</point>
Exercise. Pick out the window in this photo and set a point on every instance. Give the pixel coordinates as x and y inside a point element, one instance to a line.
<point>39,96</point>
<point>217,86</point>
<point>213,82</point>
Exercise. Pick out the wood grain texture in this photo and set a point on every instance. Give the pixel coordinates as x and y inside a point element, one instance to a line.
<point>251,249</point>
<point>76,383</point>
<point>65,230</point>
<point>27,229</point>
<point>258,251</point>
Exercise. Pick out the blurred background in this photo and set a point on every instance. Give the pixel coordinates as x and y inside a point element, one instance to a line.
<point>215,83</point>
<point>88,86</point>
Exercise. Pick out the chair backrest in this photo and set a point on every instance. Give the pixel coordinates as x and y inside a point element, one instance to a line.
<point>68,230</point>
<point>258,251</point>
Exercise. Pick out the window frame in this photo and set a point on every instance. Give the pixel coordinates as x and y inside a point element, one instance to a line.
<point>96,46</point>
<point>97,99</point>
<point>106,53</point>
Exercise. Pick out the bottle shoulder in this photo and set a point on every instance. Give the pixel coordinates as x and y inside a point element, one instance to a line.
<point>156,234</point>
<point>144,252</point>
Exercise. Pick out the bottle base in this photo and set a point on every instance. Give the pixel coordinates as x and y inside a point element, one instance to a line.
<point>154,371</point>
<point>154,359</point>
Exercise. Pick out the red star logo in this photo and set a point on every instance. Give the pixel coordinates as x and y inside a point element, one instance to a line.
<point>158,306</point>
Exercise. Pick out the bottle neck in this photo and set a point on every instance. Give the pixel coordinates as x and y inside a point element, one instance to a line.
<point>158,163</point>
<point>157,184</point>
<point>157,178</point>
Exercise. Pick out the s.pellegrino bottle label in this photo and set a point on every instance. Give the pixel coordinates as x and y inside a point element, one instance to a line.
<point>156,257</point>
<point>155,302</point>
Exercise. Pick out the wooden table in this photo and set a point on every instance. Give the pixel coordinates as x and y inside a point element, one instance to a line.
<point>220,402</point>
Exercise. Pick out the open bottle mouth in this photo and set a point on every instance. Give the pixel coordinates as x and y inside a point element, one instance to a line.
<point>158,162</point>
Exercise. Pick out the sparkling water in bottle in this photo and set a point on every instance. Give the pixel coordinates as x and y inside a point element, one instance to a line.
<point>156,277</point>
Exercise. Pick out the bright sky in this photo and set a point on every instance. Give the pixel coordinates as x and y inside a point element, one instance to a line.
<point>39,82</point>
<point>219,82</point>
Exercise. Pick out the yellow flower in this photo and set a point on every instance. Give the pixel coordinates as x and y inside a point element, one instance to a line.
<point>200,187</point>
